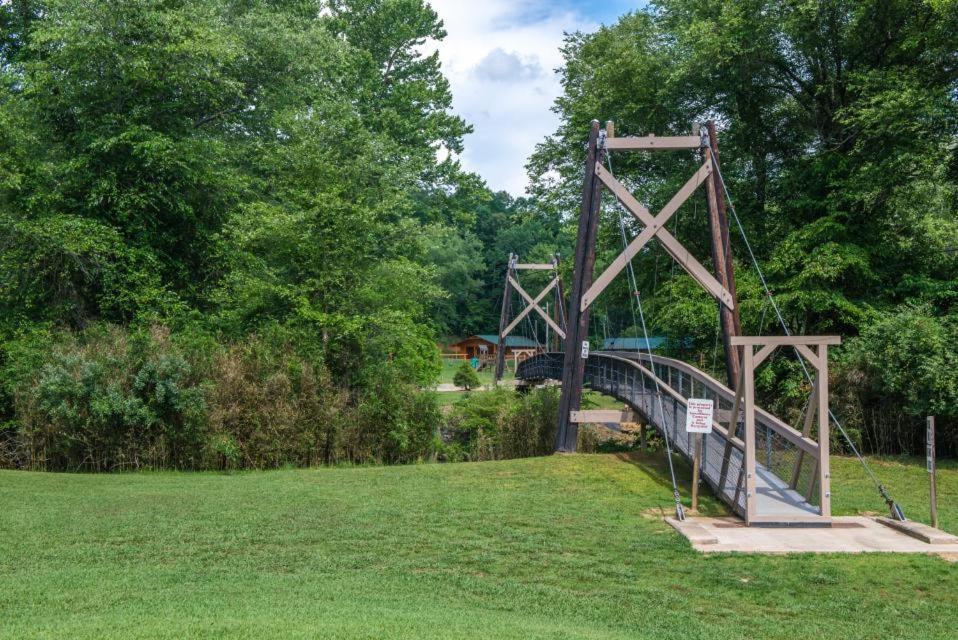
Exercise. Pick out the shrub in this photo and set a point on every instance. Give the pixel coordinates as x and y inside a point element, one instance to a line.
<point>502,424</point>
<point>895,373</point>
<point>391,422</point>
<point>466,377</point>
<point>268,407</point>
<point>106,400</point>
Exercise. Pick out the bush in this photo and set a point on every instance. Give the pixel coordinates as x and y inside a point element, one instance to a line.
<point>502,424</point>
<point>466,377</point>
<point>898,371</point>
<point>106,398</point>
<point>268,407</point>
<point>392,422</point>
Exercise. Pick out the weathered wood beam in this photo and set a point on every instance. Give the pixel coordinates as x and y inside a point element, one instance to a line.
<point>722,254</point>
<point>573,368</point>
<point>674,248</point>
<point>652,142</point>
<point>812,358</point>
<point>503,321</point>
<point>600,415</point>
<point>784,340</point>
<point>542,267</point>
<point>806,433</point>
<point>646,234</point>
<point>533,304</point>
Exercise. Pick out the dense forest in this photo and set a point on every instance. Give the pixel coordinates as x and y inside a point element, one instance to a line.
<point>231,233</point>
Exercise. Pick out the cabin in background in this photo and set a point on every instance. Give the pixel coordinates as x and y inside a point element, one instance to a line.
<point>486,346</point>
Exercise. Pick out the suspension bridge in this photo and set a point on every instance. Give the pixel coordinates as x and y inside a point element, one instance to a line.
<point>768,471</point>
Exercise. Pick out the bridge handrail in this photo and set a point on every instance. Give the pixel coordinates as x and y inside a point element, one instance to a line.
<point>631,358</point>
<point>787,431</point>
<point>736,442</point>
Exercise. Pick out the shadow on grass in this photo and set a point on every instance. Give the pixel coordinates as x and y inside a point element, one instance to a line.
<point>654,466</point>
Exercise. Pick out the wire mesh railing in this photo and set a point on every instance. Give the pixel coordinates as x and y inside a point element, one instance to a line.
<point>785,461</point>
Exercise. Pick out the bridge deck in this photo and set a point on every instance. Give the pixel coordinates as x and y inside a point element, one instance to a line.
<point>658,388</point>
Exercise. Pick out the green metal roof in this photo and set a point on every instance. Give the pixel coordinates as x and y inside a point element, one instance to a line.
<point>516,342</point>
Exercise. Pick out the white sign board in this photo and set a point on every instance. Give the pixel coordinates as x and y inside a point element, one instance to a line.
<point>698,416</point>
<point>585,349</point>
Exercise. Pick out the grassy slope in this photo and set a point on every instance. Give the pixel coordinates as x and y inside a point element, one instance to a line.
<point>559,547</point>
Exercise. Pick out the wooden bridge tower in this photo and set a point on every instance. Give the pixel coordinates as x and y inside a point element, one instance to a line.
<point>769,498</point>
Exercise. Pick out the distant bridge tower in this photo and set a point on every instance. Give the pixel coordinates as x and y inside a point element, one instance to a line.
<point>557,322</point>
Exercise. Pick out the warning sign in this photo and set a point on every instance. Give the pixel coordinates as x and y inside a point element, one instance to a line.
<point>698,416</point>
<point>585,349</point>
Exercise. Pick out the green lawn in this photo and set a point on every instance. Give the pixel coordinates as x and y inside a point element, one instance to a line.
<point>450,365</point>
<point>557,547</point>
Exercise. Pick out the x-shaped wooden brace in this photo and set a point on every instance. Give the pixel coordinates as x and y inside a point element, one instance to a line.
<point>655,228</point>
<point>533,303</point>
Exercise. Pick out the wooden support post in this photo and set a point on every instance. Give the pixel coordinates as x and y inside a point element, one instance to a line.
<point>503,321</point>
<point>557,314</point>
<point>722,257</point>
<point>732,431</point>
<point>824,468</point>
<point>642,441</point>
<point>932,471</point>
<point>573,368</point>
<point>749,461</point>
<point>696,462</point>
<point>806,433</point>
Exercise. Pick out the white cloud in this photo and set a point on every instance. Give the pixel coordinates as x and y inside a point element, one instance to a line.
<point>499,57</point>
<point>500,66</point>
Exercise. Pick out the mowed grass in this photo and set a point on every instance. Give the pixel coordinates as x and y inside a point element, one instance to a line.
<point>486,375</point>
<point>556,547</point>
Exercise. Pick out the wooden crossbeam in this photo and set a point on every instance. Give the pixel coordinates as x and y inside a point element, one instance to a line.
<point>533,305</point>
<point>652,142</point>
<point>674,248</point>
<point>526,267</point>
<point>784,340</point>
<point>806,433</point>
<point>600,415</point>
<point>813,358</point>
<point>650,231</point>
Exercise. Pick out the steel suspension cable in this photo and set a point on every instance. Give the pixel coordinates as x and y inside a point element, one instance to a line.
<point>893,506</point>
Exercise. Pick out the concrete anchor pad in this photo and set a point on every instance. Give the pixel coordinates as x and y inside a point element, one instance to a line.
<point>849,534</point>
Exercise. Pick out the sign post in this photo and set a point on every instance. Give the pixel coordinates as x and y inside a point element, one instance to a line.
<point>930,462</point>
<point>698,420</point>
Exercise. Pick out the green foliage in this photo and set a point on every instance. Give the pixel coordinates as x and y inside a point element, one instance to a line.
<point>466,377</point>
<point>501,424</point>
<point>228,170</point>
<point>106,399</point>
<point>901,369</point>
<point>837,123</point>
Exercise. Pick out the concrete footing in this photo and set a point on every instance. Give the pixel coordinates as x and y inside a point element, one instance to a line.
<point>923,532</point>
<point>850,534</point>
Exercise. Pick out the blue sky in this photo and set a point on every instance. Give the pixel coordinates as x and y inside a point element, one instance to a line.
<point>500,57</point>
